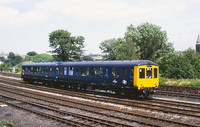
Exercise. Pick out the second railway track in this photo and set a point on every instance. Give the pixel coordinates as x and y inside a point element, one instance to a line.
<point>187,110</point>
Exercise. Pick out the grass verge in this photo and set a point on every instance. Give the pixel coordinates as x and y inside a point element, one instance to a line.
<point>180,82</point>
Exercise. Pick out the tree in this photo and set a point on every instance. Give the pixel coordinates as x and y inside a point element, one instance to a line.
<point>11,55</point>
<point>7,66</point>
<point>180,66</point>
<point>150,41</point>
<point>32,53</point>
<point>66,47</point>
<point>146,41</point>
<point>17,68</point>
<point>109,49</point>
<point>118,49</point>
<point>175,66</point>
<point>2,59</point>
<point>14,60</point>
<point>39,58</point>
<point>42,58</point>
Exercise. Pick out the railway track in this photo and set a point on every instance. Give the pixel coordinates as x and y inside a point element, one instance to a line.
<point>179,91</point>
<point>62,101</point>
<point>170,107</point>
<point>126,102</point>
<point>164,90</point>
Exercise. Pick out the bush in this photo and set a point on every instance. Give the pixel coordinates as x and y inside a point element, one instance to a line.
<point>178,67</point>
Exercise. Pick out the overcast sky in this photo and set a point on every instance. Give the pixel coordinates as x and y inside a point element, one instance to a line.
<point>25,24</point>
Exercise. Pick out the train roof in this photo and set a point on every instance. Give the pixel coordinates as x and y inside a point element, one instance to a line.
<point>96,63</point>
<point>41,64</point>
<point>110,63</point>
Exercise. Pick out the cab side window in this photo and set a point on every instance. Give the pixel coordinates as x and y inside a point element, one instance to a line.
<point>155,73</point>
<point>132,73</point>
<point>142,73</point>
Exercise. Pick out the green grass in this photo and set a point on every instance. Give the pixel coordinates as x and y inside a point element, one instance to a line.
<point>4,123</point>
<point>180,82</point>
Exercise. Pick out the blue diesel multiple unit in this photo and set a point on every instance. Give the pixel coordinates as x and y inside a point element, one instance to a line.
<point>127,77</point>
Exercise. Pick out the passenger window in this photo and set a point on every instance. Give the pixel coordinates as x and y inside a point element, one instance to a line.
<point>155,72</point>
<point>132,73</point>
<point>92,71</point>
<point>50,70</point>
<point>31,69</point>
<point>124,73</point>
<point>99,72</point>
<point>106,71</point>
<point>84,71</point>
<point>115,72</point>
<point>65,70</point>
<point>71,70</point>
<point>42,69</point>
<point>34,69</point>
<point>77,71</point>
<point>39,69</point>
<point>149,73</point>
<point>46,70</point>
<point>57,70</point>
<point>61,71</point>
<point>142,73</point>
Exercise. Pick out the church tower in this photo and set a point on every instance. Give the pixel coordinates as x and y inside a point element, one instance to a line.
<point>198,45</point>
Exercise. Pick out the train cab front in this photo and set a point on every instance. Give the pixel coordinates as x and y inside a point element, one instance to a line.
<point>146,79</point>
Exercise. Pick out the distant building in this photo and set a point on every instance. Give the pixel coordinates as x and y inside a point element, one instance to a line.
<point>4,55</point>
<point>198,45</point>
<point>96,56</point>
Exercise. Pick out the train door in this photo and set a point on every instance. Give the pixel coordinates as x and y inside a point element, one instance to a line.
<point>106,74</point>
<point>57,70</point>
<point>115,75</point>
<point>124,76</point>
<point>130,75</point>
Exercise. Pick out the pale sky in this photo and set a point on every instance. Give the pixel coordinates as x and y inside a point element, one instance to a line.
<point>25,24</point>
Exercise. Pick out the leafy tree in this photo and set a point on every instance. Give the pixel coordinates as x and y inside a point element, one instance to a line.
<point>14,60</point>
<point>39,58</point>
<point>194,60</point>
<point>2,59</point>
<point>117,49</point>
<point>66,47</point>
<point>109,49</point>
<point>11,55</point>
<point>32,53</point>
<point>28,58</point>
<point>150,41</point>
<point>7,66</point>
<point>146,41</point>
<point>180,66</point>
<point>42,58</point>
<point>17,68</point>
